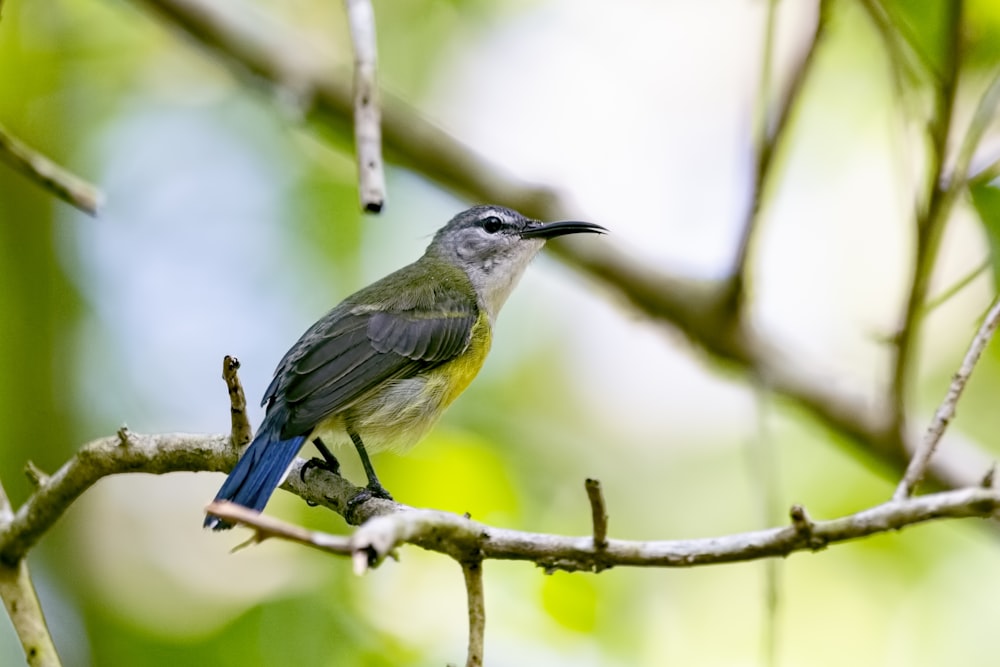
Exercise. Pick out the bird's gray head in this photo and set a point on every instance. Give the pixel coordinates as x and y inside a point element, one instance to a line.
<point>493,245</point>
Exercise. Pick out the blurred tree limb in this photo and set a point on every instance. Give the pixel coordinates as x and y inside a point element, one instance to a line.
<point>66,186</point>
<point>771,129</point>
<point>702,310</point>
<point>367,114</point>
<point>932,216</point>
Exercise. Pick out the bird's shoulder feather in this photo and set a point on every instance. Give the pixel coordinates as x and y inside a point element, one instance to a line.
<point>378,334</point>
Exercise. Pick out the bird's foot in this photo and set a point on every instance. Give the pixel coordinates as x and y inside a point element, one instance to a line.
<point>378,491</point>
<point>363,496</point>
<point>321,464</point>
<point>332,467</point>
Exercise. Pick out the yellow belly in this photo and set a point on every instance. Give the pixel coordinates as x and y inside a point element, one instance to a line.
<point>397,415</point>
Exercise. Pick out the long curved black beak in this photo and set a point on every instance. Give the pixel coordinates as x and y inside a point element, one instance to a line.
<point>550,230</point>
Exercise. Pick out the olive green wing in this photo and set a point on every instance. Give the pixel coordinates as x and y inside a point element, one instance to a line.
<point>353,350</point>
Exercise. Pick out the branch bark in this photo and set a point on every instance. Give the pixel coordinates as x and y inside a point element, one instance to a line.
<point>63,184</point>
<point>946,411</point>
<point>367,114</point>
<point>21,602</point>
<point>387,525</point>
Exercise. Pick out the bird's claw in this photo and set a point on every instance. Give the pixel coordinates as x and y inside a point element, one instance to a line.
<point>321,464</point>
<point>363,496</point>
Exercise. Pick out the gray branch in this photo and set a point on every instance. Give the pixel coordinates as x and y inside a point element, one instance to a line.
<point>946,411</point>
<point>67,186</point>
<point>367,115</point>
<point>386,525</point>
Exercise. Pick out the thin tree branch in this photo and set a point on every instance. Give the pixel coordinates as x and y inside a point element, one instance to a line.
<point>473,571</point>
<point>157,454</point>
<point>21,602</point>
<point>66,186</point>
<point>902,49</point>
<point>284,59</point>
<point>388,525</point>
<point>770,133</point>
<point>266,527</point>
<point>367,116</point>
<point>959,285</point>
<point>930,222</point>
<point>946,411</point>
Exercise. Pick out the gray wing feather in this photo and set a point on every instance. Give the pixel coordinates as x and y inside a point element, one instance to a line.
<point>349,353</point>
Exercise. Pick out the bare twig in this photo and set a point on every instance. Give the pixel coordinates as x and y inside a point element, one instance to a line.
<point>70,188</point>
<point>959,285</point>
<point>367,115</point>
<point>904,55</point>
<point>473,571</point>
<point>990,477</point>
<point>763,465</point>
<point>388,525</point>
<point>240,431</point>
<point>19,598</point>
<point>946,411</point>
<point>598,512</point>
<point>266,527</point>
<point>932,218</point>
<point>770,132</point>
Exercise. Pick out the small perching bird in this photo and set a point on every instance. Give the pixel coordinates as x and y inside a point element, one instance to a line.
<point>380,368</point>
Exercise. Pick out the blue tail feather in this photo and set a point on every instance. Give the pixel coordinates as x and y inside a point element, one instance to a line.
<point>260,469</point>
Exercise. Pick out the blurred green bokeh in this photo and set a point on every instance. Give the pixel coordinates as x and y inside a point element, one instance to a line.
<point>230,227</point>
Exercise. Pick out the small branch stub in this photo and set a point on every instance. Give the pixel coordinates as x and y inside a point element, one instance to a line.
<point>598,512</point>
<point>367,114</point>
<point>35,475</point>
<point>266,527</point>
<point>805,527</point>
<point>990,477</point>
<point>240,431</point>
<point>473,571</point>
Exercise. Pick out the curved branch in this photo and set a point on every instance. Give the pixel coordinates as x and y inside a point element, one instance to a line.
<point>389,525</point>
<point>126,452</point>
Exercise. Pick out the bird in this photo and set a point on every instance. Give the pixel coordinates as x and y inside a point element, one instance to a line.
<point>380,367</point>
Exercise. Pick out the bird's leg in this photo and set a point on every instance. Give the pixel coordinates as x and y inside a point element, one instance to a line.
<point>375,487</point>
<point>333,465</point>
<point>329,462</point>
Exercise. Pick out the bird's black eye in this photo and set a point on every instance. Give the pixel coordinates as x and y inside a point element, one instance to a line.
<point>492,224</point>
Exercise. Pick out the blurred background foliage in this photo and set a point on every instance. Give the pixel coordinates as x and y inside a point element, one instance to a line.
<point>229,228</point>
